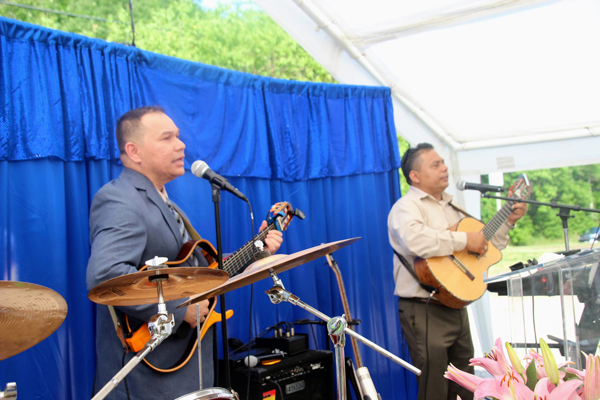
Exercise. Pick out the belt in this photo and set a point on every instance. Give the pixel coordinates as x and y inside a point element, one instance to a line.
<point>423,300</point>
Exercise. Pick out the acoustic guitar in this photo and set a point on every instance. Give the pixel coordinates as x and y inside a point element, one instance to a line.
<point>459,277</point>
<point>279,217</point>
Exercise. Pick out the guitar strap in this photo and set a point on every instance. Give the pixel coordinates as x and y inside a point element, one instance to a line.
<point>460,210</point>
<point>404,262</point>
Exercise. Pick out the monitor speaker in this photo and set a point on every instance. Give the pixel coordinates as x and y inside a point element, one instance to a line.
<point>306,375</point>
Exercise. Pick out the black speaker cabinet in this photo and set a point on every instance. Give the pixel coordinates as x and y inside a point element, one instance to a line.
<point>307,375</point>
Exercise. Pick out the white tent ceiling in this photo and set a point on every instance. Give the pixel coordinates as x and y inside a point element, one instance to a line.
<point>495,85</point>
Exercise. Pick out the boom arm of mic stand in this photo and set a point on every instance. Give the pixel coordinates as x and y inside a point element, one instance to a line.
<point>540,203</point>
<point>563,211</point>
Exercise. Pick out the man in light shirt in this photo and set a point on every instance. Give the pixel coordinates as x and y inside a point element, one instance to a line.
<point>418,226</point>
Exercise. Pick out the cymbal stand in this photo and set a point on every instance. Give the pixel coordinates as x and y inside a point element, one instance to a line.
<point>160,326</point>
<point>277,294</point>
<point>335,329</point>
<point>10,392</point>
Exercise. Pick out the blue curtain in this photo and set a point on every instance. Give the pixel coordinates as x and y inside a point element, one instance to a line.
<point>329,150</point>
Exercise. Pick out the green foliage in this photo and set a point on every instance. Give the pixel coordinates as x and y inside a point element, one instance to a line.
<point>404,145</point>
<point>237,36</point>
<point>532,378</point>
<point>571,186</point>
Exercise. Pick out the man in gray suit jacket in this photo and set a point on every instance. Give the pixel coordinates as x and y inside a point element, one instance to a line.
<point>130,223</point>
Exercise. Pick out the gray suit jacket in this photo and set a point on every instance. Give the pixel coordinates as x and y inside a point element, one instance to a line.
<point>130,224</point>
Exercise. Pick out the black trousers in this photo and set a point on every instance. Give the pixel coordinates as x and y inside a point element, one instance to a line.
<point>448,341</point>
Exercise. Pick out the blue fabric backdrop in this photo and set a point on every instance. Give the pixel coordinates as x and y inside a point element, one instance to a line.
<point>330,150</point>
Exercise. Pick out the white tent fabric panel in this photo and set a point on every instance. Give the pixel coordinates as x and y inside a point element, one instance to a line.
<point>476,74</point>
<point>494,85</point>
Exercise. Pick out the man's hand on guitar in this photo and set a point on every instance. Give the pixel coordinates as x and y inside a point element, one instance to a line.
<point>273,240</point>
<point>190,314</point>
<point>519,209</point>
<point>476,242</point>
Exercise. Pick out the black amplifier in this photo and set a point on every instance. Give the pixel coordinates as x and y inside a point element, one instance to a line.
<point>307,375</point>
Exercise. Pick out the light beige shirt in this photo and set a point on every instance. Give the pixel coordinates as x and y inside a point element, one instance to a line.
<point>418,227</point>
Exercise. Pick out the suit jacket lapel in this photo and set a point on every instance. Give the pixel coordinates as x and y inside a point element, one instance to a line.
<point>141,182</point>
<point>193,234</point>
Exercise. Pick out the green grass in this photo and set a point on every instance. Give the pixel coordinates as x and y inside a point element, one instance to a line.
<point>513,254</point>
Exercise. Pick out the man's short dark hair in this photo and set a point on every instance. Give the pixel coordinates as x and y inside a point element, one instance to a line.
<point>129,123</point>
<point>410,160</point>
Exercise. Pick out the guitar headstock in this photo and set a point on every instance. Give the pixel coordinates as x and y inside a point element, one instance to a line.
<point>281,215</point>
<point>521,189</point>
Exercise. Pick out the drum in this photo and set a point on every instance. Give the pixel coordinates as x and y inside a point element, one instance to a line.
<point>215,393</point>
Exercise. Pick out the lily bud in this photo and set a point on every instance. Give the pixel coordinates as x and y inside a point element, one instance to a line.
<point>549,363</point>
<point>514,358</point>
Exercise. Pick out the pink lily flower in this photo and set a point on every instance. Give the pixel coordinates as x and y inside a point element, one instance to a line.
<point>463,378</point>
<point>505,389</point>
<point>495,362</point>
<point>563,391</point>
<point>592,378</point>
<point>538,359</point>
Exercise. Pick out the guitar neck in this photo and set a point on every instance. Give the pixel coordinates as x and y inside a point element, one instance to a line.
<point>243,256</point>
<point>496,222</point>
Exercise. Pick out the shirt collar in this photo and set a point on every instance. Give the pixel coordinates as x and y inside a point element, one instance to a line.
<point>163,194</point>
<point>446,197</point>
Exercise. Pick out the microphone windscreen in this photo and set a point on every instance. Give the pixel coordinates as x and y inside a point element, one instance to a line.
<point>198,168</point>
<point>461,185</point>
<point>251,361</point>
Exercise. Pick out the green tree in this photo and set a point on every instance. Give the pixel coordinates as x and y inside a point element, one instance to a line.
<point>238,36</point>
<point>569,185</point>
<point>404,145</point>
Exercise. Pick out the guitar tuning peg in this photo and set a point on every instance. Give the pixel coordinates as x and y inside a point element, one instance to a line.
<point>299,213</point>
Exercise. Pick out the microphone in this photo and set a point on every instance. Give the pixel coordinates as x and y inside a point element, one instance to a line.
<point>202,170</point>
<point>482,187</point>
<point>253,361</point>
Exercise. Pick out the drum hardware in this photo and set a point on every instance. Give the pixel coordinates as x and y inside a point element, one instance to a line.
<point>269,267</point>
<point>337,327</point>
<point>133,289</point>
<point>10,392</point>
<point>259,270</point>
<point>215,393</point>
<point>136,289</point>
<point>31,311</point>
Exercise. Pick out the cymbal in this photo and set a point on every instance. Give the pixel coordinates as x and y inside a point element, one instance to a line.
<point>30,313</point>
<point>279,263</point>
<point>137,289</point>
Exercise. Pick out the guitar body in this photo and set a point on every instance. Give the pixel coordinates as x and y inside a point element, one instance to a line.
<point>457,289</point>
<point>279,217</point>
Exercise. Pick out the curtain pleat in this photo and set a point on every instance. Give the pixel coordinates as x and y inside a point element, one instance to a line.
<point>329,150</point>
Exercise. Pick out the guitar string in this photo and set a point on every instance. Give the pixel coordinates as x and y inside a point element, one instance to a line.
<point>240,257</point>
<point>490,229</point>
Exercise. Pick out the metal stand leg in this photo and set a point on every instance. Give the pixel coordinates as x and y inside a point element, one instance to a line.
<point>10,392</point>
<point>336,327</point>
<point>160,326</point>
<point>199,345</point>
<point>278,294</point>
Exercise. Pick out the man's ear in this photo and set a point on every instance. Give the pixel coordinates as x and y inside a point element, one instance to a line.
<point>414,176</point>
<point>132,151</point>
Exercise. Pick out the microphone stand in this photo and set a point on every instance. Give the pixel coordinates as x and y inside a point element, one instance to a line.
<point>563,211</point>
<point>216,197</point>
